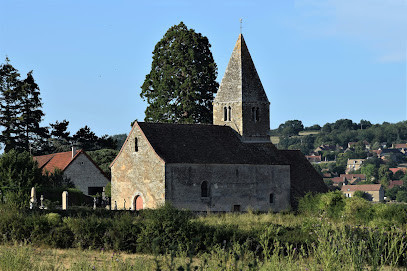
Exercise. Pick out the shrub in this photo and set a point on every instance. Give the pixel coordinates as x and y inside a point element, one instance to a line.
<point>165,228</point>
<point>332,203</point>
<point>358,210</point>
<point>309,204</point>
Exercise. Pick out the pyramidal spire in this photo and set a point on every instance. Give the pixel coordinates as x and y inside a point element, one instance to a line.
<point>241,81</point>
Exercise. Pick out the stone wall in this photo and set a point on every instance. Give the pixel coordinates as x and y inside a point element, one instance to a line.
<point>249,186</point>
<point>242,121</point>
<point>138,173</point>
<point>83,173</point>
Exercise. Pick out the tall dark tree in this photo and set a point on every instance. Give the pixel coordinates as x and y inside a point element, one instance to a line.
<point>59,130</point>
<point>181,84</point>
<point>60,140</point>
<point>85,138</point>
<point>31,135</point>
<point>10,91</point>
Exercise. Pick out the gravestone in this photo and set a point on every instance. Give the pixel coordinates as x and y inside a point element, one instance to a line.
<point>64,200</point>
<point>42,201</point>
<point>94,203</point>
<point>33,198</point>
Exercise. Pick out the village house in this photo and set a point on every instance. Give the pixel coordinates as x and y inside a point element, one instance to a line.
<point>354,164</point>
<point>375,191</point>
<point>396,169</point>
<point>228,166</point>
<point>399,146</point>
<point>77,167</point>
<point>313,158</point>
<point>395,183</point>
<point>354,178</point>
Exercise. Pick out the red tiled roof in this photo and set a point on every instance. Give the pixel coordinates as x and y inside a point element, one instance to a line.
<point>338,179</point>
<point>351,176</point>
<point>395,169</point>
<point>53,161</point>
<point>396,183</point>
<point>361,187</point>
<point>400,146</point>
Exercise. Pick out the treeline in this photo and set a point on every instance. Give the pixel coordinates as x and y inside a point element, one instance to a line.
<point>339,133</point>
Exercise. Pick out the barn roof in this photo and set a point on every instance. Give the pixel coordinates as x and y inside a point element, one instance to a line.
<point>206,144</point>
<point>53,161</point>
<point>61,160</point>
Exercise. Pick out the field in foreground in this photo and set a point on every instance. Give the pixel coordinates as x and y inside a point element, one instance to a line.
<point>328,232</point>
<point>26,257</point>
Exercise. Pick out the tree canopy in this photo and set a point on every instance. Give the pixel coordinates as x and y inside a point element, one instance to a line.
<point>20,111</point>
<point>182,81</point>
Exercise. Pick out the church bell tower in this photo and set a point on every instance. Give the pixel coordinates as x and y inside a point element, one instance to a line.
<point>241,101</point>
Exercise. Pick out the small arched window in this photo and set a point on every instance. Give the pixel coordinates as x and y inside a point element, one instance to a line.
<point>225,113</point>
<point>253,114</point>
<point>229,113</point>
<point>135,144</point>
<point>271,199</point>
<point>204,189</point>
<point>257,114</point>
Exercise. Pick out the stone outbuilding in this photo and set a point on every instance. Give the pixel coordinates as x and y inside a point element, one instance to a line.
<point>228,166</point>
<point>78,167</point>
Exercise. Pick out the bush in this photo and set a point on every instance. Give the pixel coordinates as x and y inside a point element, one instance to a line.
<point>332,203</point>
<point>309,204</point>
<point>358,210</point>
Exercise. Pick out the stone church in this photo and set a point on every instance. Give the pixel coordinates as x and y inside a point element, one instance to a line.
<point>228,166</point>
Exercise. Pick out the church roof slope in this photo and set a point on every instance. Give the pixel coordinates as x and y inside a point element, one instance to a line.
<point>241,81</point>
<point>205,144</point>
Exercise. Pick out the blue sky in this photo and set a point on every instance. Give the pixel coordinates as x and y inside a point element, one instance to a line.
<point>319,61</point>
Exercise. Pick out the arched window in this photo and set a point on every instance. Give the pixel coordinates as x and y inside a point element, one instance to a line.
<point>253,114</point>
<point>229,113</point>
<point>135,144</point>
<point>271,200</point>
<point>257,114</point>
<point>204,189</point>
<point>225,113</point>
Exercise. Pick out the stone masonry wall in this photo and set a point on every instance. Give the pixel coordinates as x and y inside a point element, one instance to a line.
<point>83,173</point>
<point>236,121</point>
<point>246,185</point>
<point>138,173</point>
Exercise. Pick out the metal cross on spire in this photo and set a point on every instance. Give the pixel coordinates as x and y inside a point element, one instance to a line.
<point>241,22</point>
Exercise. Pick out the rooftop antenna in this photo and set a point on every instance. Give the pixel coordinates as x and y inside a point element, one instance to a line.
<point>241,21</point>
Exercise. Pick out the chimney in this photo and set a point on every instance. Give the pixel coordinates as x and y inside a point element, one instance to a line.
<point>73,151</point>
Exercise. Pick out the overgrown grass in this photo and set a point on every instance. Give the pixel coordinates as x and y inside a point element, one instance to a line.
<point>329,232</point>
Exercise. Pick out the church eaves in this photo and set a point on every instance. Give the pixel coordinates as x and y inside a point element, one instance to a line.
<point>241,83</point>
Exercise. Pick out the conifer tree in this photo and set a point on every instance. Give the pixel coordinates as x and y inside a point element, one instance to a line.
<point>182,81</point>
<point>31,135</point>
<point>20,112</point>
<point>10,92</point>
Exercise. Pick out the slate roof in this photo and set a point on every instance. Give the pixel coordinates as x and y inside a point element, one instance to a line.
<point>206,144</point>
<point>241,81</point>
<point>304,177</point>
